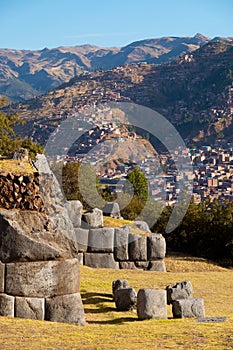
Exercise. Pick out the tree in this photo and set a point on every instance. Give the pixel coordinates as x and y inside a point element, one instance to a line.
<point>8,141</point>
<point>139,182</point>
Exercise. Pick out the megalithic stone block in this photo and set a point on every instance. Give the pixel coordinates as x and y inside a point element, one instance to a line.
<point>100,260</point>
<point>6,305</point>
<point>2,277</point>
<point>101,240</point>
<point>119,284</point>
<point>156,246</point>
<point>31,308</point>
<point>65,309</point>
<point>191,307</point>
<point>137,247</point>
<point>125,299</point>
<point>179,290</point>
<point>151,303</point>
<point>43,278</point>
<point>121,243</point>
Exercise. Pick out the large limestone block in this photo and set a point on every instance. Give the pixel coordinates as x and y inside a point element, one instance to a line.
<point>137,248</point>
<point>119,284</point>
<point>32,236</point>
<point>112,209</point>
<point>94,218</point>
<point>2,277</point>
<point>98,260</point>
<point>121,243</point>
<point>65,309</point>
<point>179,290</point>
<point>31,308</point>
<point>82,238</point>
<point>156,246</point>
<point>157,265</point>
<point>142,225</point>
<point>75,210</point>
<point>6,305</point>
<point>192,307</point>
<point>42,279</point>
<point>125,299</point>
<point>127,265</point>
<point>151,303</point>
<point>101,240</point>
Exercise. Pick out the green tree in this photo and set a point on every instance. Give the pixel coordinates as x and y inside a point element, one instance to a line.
<point>8,141</point>
<point>139,182</point>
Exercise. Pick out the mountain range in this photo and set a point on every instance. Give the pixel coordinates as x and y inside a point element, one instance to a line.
<point>194,92</point>
<point>25,74</point>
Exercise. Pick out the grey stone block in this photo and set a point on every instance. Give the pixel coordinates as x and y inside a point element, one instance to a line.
<point>98,260</point>
<point>75,211</point>
<point>80,258</point>
<point>156,246</point>
<point>94,218</point>
<point>192,307</point>
<point>119,284</point>
<point>6,305</point>
<point>31,308</point>
<point>128,265</point>
<point>142,225</point>
<point>143,265</point>
<point>157,265</point>
<point>137,248</point>
<point>32,236</point>
<point>65,309</point>
<point>151,303</point>
<point>121,243</point>
<point>101,240</point>
<point>112,209</point>
<point>179,290</point>
<point>82,238</point>
<point>43,278</point>
<point>125,299</point>
<point>2,277</point>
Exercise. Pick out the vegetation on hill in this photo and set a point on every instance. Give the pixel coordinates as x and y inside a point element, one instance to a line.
<point>8,141</point>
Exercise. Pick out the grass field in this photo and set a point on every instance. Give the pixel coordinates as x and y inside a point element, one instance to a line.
<point>108,329</point>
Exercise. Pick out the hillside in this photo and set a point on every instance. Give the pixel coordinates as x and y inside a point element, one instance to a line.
<point>25,74</point>
<point>193,92</point>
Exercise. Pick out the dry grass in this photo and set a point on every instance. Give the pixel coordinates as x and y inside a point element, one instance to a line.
<point>112,222</point>
<point>108,329</point>
<point>15,167</point>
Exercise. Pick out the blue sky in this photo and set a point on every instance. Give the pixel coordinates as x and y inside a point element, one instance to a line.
<point>35,24</point>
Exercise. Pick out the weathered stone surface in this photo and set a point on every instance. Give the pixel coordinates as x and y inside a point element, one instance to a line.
<point>32,236</point>
<point>119,284</point>
<point>41,279</point>
<point>32,308</point>
<point>156,246</point>
<point>65,309</point>
<point>151,303</point>
<point>75,211</point>
<point>125,299</point>
<point>20,154</point>
<point>191,307</point>
<point>80,258</point>
<point>142,264</point>
<point>179,290</point>
<point>128,265</point>
<point>6,305</point>
<point>82,238</point>
<point>98,260</point>
<point>157,265</point>
<point>137,248</point>
<point>142,225</point>
<point>2,277</point>
<point>121,243</point>
<point>101,240</point>
<point>94,218</point>
<point>112,209</point>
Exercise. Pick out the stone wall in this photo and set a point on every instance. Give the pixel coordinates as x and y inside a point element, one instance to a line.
<point>116,248</point>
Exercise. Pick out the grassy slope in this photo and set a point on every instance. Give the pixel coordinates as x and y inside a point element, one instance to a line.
<point>108,329</point>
